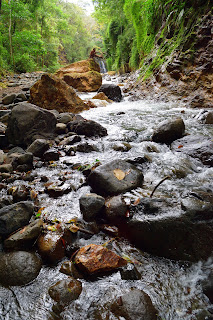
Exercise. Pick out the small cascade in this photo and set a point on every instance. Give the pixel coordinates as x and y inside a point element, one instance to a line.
<point>102,65</point>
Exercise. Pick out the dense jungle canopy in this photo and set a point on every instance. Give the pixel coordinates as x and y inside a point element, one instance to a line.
<point>43,34</point>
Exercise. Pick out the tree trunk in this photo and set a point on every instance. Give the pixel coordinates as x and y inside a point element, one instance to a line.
<point>10,35</point>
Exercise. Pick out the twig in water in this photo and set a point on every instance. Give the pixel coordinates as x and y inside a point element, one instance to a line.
<point>167,177</point>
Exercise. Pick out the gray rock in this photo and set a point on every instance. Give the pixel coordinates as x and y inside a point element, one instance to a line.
<point>8,99</point>
<point>130,272</point>
<point>116,208</point>
<point>89,128</point>
<point>135,304</point>
<point>196,147</point>
<point>90,205</point>
<point>70,140</point>
<point>51,155</point>
<point>168,131</point>
<point>65,291</point>
<point>61,128</point>
<point>15,216</point>
<point>115,177</point>
<point>18,268</point>
<point>25,238</point>
<point>64,117</point>
<point>38,147</point>
<point>8,168</point>
<point>28,121</point>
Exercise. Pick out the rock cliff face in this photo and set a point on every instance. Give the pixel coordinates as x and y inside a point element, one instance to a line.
<point>187,72</point>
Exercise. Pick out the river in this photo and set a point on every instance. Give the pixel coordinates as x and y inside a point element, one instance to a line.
<point>174,287</point>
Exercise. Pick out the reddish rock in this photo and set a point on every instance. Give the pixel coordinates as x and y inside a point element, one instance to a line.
<point>93,259</point>
<point>53,93</point>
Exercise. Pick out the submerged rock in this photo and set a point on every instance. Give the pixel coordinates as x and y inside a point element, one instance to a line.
<point>115,177</point>
<point>65,291</point>
<point>93,259</point>
<point>168,131</point>
<point>27,122</point>
<point>18,268</point>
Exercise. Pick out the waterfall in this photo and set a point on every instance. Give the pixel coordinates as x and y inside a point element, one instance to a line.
<point>102,65</point>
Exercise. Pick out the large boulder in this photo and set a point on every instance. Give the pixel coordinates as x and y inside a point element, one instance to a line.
<point>18,268</point>
<point>53,93</point>
<point>188,236</point>
<point>112,91</point>
<point>115,177</point>
<point>28,122</point>
<point>15,216</point>
<point>82,75</point>
<point>168,131</point>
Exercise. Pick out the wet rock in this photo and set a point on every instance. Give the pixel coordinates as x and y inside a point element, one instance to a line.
<point>27,122</point>
<point>174,237</point>
<point>115,177</point>
<point>24,238</point>
<point>93,259</point>
<point>89,128</point>
<point>116,208</point>
<point>51,155</point>
<point>70,140</point>
<point>123,147</point>
<point>112,91</point>
<point>209,118</point>
<point>8,99</point>
<point>22,162</point>
<point>198,205</point>
<point>85,147</point>
<point>21,96</point>
<point>52,245</point>
<point>53,93</point>
<point>207,286</point>
<point>91,205</point>
<point>15,216</point>
<point>135,304</point>
<point>65,117</point>
<point>61,128</point>
<point>56,191</point>
<point>18,268</point>
<point>3,141</point>
<point>2,128</point>
<point>196,147</point>
<point>68,268</point>
<point>102,96</point>
<point>130,272</point>
<point>65,291</point>
<point>168,131</point>
<point>7,168</point>
<point>38,147</point>
<point>19,193</point>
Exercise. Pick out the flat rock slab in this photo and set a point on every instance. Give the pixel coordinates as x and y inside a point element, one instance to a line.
<point>93,259</point>
<point>115,177</point>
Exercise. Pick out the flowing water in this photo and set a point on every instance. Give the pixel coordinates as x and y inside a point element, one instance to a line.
<point>174,288</point>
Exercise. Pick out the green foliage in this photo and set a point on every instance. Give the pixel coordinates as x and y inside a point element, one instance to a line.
<point>143,33</point>
<point>35,34</point>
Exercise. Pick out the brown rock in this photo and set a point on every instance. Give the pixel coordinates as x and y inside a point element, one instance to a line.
<point>65,291</point>
<point>102,96</point>
<point>82,75</point>
<point>93,259</point>
<point>52,245</point>
<point>53,93</point>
